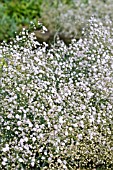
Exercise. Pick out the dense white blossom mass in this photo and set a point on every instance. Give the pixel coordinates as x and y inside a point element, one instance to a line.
<point>56,106</point>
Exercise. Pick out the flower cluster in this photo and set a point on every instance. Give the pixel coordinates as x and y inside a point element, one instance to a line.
<point>56,106</point>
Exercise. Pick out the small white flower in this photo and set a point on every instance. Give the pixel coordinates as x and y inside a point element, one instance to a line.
<point>21,141</point>
<point>32,164</point>
<point>9,116</point>
<point>20,160</point>
<point>79,136</point>
<point>40,150</point>
<point>83,107</point>
<point>8,127</point>
<point>41,135</point>
<point>43,158</point>
<point>75,125</point>
<point>16,132</point>
<point>6,148</point>
<point>91,119</point>
<point>59,108</point>
<point>5,159</point>
<point>82,123</point>
<point>70,128</point>
<point>66,133</point>
<point>3,163</point>
<point>19,123</point>
<point>55,126</point>
<point>49,159</point>
<point>45,152</point>
<point>61,119</point>
<point>90,94</point>
<point>64,166</point>
<point>59,160</point>
<point>26,139</point>
<point>33,139</point>
<point>17,116</point>
<point>30,124</point>
<point>18,88</point>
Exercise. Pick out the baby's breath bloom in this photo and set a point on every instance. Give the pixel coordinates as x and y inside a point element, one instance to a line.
<point>57,104</point>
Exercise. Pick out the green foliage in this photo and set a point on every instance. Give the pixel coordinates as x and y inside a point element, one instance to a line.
<point>17,14</point>
<point>25,9</point>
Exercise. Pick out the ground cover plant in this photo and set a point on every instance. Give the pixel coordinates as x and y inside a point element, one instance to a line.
<point>56,106</point>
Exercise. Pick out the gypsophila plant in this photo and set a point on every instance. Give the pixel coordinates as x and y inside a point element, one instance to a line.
<point>56,106</point>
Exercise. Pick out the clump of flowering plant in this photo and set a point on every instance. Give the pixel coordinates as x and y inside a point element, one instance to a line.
<point>56,106</point>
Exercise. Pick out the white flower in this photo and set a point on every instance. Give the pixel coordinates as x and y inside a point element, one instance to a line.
<point>21,141</point>
<point>55,126</point>
<point>18,88</point>
<point>80,136</point>
<point>30,124</point>
<point>45,152</point>
<point>70,128</point>
<point>90,94</point>
<point>40,150</point>
<point>49,159</point>
<point>19,123</point>
<point>91,119</point>
<point>32,164</point>
<point>61,119</point>
<point>64,166</point>
<point>9,116</point>
<point>8,127</point>
<point>82,123</point>
<point>59,160</point>
<point>83,107</point>
<point>33,139</point>
<point>17,116</point>
<point>43,158</point>
<point>59,108</point>
<point>5,159</point>
<point>26,139</point>
<point>20,160</point>
<point>75,125</point>
<point>3,163</point>
<point>66,133</point>
<point>6,148</point>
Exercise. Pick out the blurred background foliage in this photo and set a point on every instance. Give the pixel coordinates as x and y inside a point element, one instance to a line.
<point>63,17</point>
<point>16,14</point>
